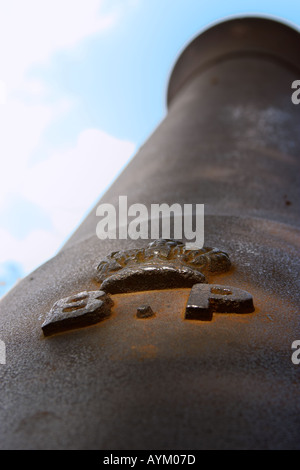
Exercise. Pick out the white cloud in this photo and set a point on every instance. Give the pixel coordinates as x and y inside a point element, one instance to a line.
<point>64,186</point>
<point>70,181</point>
<point>32,30</point>
<point>30,252</point>
<point>22,126</point>
<point>3,92</point>
<point>34,88</point>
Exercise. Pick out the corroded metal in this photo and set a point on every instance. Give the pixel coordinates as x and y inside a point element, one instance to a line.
<point>83,309</point>
<point>231,141</point>
<point>145,311</point>
<point>151,278</point>
<point>163,264</point>
<point>205,299</point>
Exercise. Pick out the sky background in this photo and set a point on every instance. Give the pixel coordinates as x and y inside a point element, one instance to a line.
<point>82,85</point>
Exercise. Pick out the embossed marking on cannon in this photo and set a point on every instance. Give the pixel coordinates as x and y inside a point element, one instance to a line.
<point>162,264</point>
<point>83,309</point>
<point>205,299</point>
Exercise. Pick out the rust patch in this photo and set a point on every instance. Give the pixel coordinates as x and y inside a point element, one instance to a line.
<point>147,351</point>
<point>162,302</point>
<point>162,264</point>
<point>76,311</point>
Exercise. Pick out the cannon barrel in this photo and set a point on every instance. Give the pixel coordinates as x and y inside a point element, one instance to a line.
<point>149,376</point>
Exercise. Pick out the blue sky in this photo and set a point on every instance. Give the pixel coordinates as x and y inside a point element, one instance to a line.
<point>82,85</point>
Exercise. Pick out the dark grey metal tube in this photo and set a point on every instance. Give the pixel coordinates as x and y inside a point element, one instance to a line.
<point>230,141</point>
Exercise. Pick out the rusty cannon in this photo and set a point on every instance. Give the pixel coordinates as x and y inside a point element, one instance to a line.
<point>136,343</point>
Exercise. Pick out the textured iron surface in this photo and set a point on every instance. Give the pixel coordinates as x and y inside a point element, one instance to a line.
<point>145,311</point>
<point>208,298</point>
<point>161,265</point>
<point>230,141</point>
<point>151,278</point>
<point>238,37</point>
<point>83,309</point>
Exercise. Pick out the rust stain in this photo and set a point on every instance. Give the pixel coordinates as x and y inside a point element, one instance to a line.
<point>146,351</point>
<point>162,302</point>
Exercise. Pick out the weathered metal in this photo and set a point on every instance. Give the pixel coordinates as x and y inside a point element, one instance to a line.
<point>162,264</point>
<point>230,141</point>
<point>145,311</point>
<point>76,311</point>
<point>205,299</point>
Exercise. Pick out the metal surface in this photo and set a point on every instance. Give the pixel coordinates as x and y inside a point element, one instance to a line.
<point>248,37</point>
<point>145,311</point>
<point>76,311</point>
<point>162,264</point>
<point>206,299</point>
<point>230,141</point>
